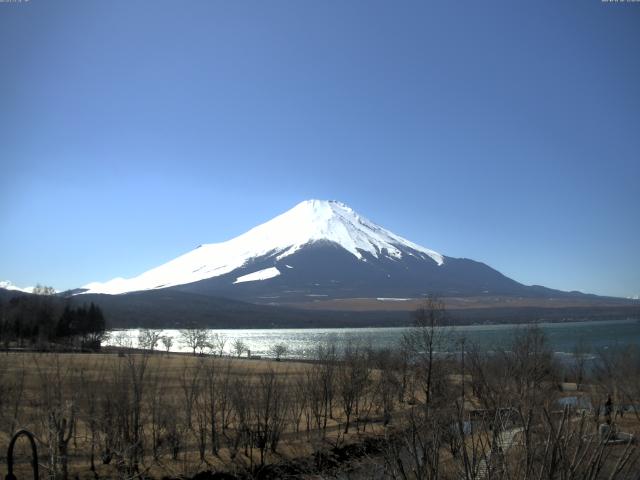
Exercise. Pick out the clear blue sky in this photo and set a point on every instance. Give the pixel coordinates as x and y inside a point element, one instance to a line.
<point>507,132</point>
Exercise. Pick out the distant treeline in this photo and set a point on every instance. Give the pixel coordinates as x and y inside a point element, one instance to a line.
<point>42,321</point>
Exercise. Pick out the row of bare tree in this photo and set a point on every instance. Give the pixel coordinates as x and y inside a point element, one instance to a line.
<point>496,415</point>
<point>466,414</point>
<point>200,341</point>
<point>137,410</point>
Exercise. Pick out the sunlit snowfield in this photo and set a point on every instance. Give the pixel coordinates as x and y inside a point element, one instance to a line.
<point>302,343</point>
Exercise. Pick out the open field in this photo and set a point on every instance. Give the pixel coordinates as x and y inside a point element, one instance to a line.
<point>156,411</point>
<point>464,303</point>
<point>393,414</point>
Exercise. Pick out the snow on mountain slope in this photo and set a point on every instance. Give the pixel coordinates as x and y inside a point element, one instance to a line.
<point>7,285</point>
<point>265,274</point>
<point>309,221</point>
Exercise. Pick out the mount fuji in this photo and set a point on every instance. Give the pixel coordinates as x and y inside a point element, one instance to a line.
<point>320,250</point>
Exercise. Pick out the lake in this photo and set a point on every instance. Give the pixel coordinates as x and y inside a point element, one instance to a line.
<point>302,342</point>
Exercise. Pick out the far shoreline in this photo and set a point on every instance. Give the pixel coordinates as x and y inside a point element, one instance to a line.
<point>453,324</point>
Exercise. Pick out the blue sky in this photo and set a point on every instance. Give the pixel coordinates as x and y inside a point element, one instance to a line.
<point>507,132</point>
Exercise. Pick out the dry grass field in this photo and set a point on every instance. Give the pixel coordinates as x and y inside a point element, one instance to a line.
<point>155,412</point>
<point>401,413</point>
<point>456,303</point>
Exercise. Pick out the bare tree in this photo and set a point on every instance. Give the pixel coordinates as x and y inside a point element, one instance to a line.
<point>201,432</point>
<point>216,343</point>
<point>534,367</point>
<point>299,403</point>
<point>414,451</point>
<point>156,405</point>
<point>269,407</point>
<point>427,337</point>
<point>279,350</point>
<point>239,347</point>
<point>211,401</point>
<point>136,369</point>
<point>122,339</point>
<point>148,339</point>
<point>352,376</point>
<point>167,341</point>
<point>190,385</point>
<point>60,408</point>
<point>224,395</point>
<point>12,395</point>
<point>123,413</point>
<point>240,399</point>
<point>89,408</point>
<point>387,383</point>
<point>194,338</point>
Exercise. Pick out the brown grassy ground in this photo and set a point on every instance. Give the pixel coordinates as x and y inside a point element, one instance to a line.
<point>82,374</point>
<point>455,303</point>
<point>79,370</point>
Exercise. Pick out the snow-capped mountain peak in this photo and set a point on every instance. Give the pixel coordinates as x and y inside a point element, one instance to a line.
<point>315,220</point>
<point>308,222</point>
<point>7,285</point>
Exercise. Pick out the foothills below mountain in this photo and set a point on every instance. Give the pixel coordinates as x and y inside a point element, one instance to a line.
<point>323,264</point>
